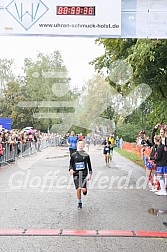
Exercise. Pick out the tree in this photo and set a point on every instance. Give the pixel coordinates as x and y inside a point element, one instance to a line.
<point>12,95</point>
<point>148,60</point>
<point>6,73</point>
<point>44,79</point>
<point>29,99</point>
<point>96,103</point>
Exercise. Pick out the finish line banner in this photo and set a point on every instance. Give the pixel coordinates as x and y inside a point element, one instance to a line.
<point>61,17</point>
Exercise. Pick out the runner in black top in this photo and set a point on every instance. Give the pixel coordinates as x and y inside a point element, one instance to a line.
<point>107,151</point>
<point>81,169</point>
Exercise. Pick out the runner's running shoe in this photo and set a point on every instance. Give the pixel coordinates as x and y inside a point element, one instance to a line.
<point>79,205</point>
<point>84,193</point>
<point>161,193</point>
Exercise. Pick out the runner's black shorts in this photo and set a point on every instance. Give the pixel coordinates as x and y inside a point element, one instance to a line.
<point>80,181</point>
<point>105,152</point>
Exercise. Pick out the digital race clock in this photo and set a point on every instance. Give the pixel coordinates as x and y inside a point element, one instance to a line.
<point>76,10</point>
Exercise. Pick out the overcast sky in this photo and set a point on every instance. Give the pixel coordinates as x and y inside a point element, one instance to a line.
<point>76,53</point>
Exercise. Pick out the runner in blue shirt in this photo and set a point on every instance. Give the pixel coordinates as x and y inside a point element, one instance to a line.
<point>72,142</point>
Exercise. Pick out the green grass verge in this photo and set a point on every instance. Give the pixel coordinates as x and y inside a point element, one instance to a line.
<point>131,156</point>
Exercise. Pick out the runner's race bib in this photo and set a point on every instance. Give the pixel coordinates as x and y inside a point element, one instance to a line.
<point>79,166</point>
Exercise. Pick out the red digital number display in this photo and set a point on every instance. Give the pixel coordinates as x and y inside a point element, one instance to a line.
<point>76,10</point>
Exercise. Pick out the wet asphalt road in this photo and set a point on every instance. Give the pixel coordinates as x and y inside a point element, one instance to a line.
<point>37,193</point>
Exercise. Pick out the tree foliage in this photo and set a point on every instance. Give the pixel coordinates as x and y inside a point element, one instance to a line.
<point>44,76</point>
<point>6,73</point>
<point>148,60</point>
<point>28,100</point>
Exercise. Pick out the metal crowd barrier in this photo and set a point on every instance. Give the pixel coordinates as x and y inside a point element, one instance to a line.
<point>11,151</point>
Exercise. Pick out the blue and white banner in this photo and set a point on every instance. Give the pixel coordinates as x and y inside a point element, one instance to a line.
<point>61,17</point>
